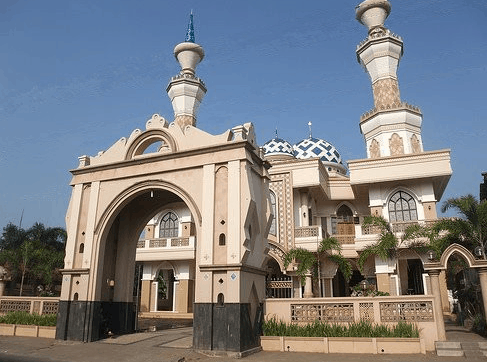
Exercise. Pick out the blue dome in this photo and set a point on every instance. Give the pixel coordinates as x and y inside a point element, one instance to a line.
<point>317,148</point>
<point>278,147</point>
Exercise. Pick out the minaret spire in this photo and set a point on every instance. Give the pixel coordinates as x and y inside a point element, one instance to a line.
<point>190,32</point>
<point>392,127</point>
<point>185,90</point>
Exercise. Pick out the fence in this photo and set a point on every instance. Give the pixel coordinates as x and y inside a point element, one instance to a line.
<point>376,310</point>
<point>37,305</point>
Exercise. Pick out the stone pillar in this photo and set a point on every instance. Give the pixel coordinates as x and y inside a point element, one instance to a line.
<point>327,287</point>
<point>145,295</point>
<point>383,282</point>
<point>2,287</point>
<point>435,286</point>
<point>182,296</point>
<point>483,286</point>
<point>304,209</point>
<point>445,303</point>
<point>308,287</point>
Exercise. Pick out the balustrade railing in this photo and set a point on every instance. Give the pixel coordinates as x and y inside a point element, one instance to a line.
<point>32,305</point>
<point>166,243</point>
<point>353,309</point>
<point>306,231</point>
<point>279,287</point>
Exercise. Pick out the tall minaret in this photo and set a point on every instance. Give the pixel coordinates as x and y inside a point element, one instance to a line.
<point>185,90</point>
<point>392,127</point>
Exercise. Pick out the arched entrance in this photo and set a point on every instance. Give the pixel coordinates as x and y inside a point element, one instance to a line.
<point>111,284</point>
<point>433,268</point>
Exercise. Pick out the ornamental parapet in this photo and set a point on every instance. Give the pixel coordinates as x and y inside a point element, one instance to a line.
<point>192,77</point>
<point>388,108</point>
<point>380,33</point>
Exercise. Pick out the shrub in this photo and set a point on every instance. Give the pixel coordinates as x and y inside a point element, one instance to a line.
<point>27,318</point>
<point>273,327</point>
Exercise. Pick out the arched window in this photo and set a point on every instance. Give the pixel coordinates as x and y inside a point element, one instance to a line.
<point>168,227</point>
<point>273,229</point>
<point>221,240</point>
<point>402,207</point>
<point>343,223</point>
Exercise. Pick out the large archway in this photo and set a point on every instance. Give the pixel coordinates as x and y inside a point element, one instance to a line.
<point>112,309</point>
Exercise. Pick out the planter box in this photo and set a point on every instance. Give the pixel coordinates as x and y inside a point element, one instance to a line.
<point>7,329</point>
<point>25,330</point>
<point>47,332</point>
<point>343,345</point>
<point>21,330</point>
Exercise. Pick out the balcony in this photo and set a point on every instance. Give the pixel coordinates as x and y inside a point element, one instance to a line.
<point>178,248</point>
<point>308,237</point>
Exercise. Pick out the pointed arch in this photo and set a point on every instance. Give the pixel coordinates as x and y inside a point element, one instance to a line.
<point>396,145</point>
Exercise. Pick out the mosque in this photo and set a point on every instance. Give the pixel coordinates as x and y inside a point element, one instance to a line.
<point>206,220</point>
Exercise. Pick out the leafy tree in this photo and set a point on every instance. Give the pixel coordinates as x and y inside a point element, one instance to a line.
<point>35,254</point>
<point>12,237</point>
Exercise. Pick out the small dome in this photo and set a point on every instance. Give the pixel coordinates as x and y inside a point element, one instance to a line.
<point>278,147</point>
<point>317,148</point>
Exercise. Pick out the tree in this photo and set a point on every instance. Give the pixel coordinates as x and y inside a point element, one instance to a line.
<point>386,245</point>
<point>35,254</point>
<point>307,261</point>
<point>470,229</point>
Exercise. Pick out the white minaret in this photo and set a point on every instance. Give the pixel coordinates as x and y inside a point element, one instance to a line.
<point>392,127</point>
<point>185,90</point>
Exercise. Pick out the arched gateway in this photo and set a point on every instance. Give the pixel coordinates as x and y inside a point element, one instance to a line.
<point>223,182</point>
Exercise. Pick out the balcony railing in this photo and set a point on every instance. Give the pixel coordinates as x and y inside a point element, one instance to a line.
<point>344,239</point>
<point>396,227</point>
<point>166,243</point>
<point>307,231</point>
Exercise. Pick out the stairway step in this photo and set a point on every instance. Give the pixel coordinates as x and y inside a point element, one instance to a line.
<point>447,345</point>
<point>474,354</point>
<point>449,353</point>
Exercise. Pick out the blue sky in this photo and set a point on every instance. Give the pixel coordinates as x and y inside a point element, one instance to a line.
<point>75,76</point>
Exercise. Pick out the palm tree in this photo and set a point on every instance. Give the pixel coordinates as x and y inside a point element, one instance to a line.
<point>387,244</point>
<point>307,261</point>
<point>470,229</point>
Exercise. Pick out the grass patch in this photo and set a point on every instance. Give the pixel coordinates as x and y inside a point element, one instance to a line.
<point>30,319</point>
<point>273,327</point>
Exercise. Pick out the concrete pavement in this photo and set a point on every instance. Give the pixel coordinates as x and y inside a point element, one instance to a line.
<point>172,345</point>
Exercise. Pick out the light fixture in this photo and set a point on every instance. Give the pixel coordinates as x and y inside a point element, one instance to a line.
<point>431,255</point>
<point>364,284</point>
<point>478,252</point>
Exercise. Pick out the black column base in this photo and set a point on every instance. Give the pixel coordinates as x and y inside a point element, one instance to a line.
<point>225,327</point>
<point>91,321</point>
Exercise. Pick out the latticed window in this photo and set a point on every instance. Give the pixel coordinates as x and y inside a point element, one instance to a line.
<point>272,230</point>
<point>169,225</point>
<point>343,223</point>
<point>402,207</point>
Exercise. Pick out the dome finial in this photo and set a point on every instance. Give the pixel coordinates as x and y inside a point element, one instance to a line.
<point>277,136</point>
<point>310,133</point>
<point>190,32</point>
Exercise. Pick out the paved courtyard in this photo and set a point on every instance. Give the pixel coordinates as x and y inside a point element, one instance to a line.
<point>172,342</point>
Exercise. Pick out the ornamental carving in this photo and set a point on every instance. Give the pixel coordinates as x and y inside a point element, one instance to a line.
<point>396,145</point>
<point>386,93</point>
<point>374,149</point>
<point>415,146</point>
